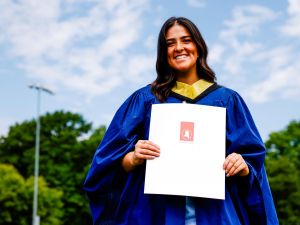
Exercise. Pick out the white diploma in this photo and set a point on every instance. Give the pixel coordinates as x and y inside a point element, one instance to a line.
<point>192,144</point>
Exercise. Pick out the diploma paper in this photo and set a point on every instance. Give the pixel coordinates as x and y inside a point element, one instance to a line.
<point>192,144</point>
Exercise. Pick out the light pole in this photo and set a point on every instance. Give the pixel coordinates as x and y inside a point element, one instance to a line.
<point>35,217</point>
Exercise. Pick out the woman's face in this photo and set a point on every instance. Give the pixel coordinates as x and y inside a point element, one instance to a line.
<point>182,51</point>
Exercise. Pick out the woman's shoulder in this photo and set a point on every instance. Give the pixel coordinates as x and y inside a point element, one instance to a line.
<point>225,91</point>
<point>139,100</point>
<point>227,94</point>
<point>144,94</point>
<point>146,90</point>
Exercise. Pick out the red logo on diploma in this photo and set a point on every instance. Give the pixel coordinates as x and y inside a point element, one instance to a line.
<point>186,131</point>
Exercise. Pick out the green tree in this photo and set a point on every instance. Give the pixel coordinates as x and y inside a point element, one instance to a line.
<point>283,168</point>
<point>67,144</point>
<point>16,194</point>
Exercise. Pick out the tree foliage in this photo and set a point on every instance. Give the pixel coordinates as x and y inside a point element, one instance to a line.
<point>16,194</point>
<point>67,144</point>
<point>283,168</point>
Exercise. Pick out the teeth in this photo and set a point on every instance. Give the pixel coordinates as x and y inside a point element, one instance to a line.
<point>180,57</point>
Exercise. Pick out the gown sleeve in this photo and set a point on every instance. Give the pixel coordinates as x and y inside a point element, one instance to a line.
<point>252,191</point>
<point>105,180</point>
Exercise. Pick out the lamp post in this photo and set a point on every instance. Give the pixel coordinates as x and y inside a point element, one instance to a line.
<point>35,217</point>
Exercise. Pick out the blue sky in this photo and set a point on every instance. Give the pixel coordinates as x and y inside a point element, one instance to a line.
<point>94,53</point>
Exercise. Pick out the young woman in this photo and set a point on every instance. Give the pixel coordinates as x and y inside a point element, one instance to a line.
<point>115,182</point>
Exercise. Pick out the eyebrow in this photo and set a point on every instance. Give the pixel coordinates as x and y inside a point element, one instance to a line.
<point>183,37</point>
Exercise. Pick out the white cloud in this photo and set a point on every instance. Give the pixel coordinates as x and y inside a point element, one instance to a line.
<point>74,44</point>
<point>215,54</point>
<point>247,21</point>
<point>291,27</point>
<point>241,53</point>
<point>282,84</point>
<point>237,45</point>
<point>261,70</point>
<point>282,81</point>
<point>196,3</point>
<point>150,42</point>
<point>138,65</point>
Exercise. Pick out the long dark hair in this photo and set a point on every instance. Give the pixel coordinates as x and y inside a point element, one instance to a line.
<point>166,78</point>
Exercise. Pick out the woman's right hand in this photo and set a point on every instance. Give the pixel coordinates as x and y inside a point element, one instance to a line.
<point>143,150</point>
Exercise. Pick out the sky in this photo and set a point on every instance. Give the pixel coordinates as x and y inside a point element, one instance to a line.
<point>94,53</point>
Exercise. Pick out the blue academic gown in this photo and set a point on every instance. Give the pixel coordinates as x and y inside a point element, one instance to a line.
<point>117,197</point>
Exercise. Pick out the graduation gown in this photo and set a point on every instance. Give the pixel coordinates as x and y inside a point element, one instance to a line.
<point>117,197</point>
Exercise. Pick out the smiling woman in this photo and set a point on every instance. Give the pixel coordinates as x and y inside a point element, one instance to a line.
<point>115,182</point>
<point>182,54</point>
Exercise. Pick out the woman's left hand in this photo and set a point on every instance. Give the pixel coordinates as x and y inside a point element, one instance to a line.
<point>235,165</point>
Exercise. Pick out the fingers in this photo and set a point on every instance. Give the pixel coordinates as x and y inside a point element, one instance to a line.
<point>235,165</point>
<point>145,149</point>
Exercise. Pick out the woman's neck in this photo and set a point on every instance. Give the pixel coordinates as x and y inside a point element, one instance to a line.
<point>188,78</point>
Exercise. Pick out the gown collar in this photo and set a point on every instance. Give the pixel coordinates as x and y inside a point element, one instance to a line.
<point>191,91</point>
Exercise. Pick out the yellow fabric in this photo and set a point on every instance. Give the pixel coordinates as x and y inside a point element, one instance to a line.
<point>191,91</point>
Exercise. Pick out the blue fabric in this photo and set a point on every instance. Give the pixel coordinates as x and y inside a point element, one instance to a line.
<point>190,215</point>
<point>117,197</point>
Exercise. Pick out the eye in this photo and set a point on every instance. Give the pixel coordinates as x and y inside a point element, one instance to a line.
<point>170,43</point>
<point>187,40</point>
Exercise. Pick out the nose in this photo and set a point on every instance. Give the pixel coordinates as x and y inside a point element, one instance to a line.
<point>178,46</point>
